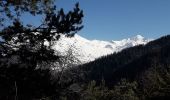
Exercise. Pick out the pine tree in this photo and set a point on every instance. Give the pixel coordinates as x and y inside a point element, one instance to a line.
<point>13,9</point>
<point>26,60</point>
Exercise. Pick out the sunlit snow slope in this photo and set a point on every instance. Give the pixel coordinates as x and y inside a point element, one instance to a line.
<point>88,50</point>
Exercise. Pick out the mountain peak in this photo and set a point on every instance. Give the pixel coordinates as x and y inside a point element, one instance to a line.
<point>88,50</point>
<point>138,37</point>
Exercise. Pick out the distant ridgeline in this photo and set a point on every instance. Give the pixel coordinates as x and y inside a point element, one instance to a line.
<point>137,73</point>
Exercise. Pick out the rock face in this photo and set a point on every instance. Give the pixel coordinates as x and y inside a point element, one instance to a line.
<point>88,50</point>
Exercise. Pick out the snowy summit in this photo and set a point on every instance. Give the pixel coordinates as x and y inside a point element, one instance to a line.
<point>88,50</point>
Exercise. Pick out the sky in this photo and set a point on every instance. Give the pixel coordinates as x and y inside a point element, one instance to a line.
<point>118,19</point>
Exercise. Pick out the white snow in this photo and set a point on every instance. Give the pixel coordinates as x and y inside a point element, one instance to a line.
<point>88,50</point>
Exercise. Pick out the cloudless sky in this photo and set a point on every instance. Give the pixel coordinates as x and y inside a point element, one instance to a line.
<point>118,19</point>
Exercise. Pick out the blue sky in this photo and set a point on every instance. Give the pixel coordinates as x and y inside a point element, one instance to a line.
<point>117,19</point>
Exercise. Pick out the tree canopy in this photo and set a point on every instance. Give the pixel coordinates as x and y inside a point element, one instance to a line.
<point>29,42</point>
<point>13,9</point>
<point>24,58</point>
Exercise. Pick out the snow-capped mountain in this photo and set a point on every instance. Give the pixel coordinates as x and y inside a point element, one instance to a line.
<point>88,50</point>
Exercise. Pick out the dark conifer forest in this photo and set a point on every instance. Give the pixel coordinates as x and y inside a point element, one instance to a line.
<point>137,73</point>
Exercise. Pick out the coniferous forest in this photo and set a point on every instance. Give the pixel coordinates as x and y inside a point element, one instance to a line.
<point>137,73</point>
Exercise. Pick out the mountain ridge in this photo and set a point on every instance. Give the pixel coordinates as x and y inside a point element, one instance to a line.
<point>89,50</point>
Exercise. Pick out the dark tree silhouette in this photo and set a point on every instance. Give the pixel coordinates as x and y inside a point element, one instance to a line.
<point>28,43</point>
<point>25,59</point>
<point>13,9</point>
